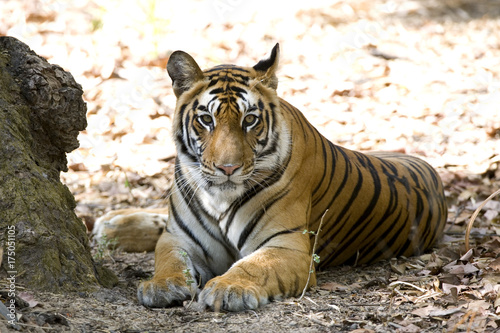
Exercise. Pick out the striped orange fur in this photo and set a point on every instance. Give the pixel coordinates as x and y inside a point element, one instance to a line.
<point>252,174</point>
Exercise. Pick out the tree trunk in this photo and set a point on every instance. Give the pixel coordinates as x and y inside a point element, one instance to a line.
<point>41,113</point>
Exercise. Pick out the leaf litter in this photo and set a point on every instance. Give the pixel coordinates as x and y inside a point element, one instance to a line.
<point>420,77</point>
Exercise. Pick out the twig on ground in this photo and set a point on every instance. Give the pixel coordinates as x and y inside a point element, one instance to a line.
<point>473,218</point>
<point>395,283</point>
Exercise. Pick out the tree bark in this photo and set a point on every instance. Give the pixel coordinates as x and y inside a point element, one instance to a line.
<point>41,113</point>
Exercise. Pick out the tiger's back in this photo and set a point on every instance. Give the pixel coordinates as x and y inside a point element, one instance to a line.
<point>374,205</point>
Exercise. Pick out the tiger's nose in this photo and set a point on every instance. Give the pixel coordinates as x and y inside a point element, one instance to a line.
<point>228,169</point>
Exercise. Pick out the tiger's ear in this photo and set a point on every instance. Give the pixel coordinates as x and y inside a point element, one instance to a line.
<point>266,68</point>
<point>183,71</point>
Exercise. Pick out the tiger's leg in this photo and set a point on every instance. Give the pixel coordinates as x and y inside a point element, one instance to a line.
<point>169,285</point>
<point>270,273</point>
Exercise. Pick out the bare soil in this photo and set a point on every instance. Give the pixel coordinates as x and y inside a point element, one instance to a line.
<point>403,295</point>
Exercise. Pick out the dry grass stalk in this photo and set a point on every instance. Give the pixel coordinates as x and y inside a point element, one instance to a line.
<point>312,256</point>
<point>473,218</point>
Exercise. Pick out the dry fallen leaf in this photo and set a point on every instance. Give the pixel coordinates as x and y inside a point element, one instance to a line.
<point>444,312</point>
<point>467,256</point>
<point>29,298</point>
<point>447,288</point>
<point>495,264</point>
<point>425,311</point>
<point>362,330</point>
<point>333,286</point>
<point>411,328</point>
<point>458,269</point>
<point>479,305</point>
<point>397,267</point>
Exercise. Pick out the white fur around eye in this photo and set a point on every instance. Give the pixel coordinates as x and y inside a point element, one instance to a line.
<point>206,120</point>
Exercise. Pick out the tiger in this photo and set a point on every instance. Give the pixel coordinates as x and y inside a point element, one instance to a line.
<point>256,187</point>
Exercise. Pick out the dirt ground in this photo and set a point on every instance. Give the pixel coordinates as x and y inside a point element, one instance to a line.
<point>404,295</point>
<point>421,77</point>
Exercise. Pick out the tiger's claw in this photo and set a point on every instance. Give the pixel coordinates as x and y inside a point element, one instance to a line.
<point>221,294</point>
<point>156,295</point>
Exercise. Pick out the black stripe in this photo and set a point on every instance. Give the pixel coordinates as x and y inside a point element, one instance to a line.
<point>376,191</point>
<point>195,104</point>
<point>254,190</point>
<point>216,91</point>
<point>302,121</point>
<point>393,204</point>
<point>250,226</point>
<point>325,167</point>
<point>415,222</point>
<point>180,223</point>
<point>387,243</point>
<point>212,83</point>
<point>336,225</point>
<point>332,158</point>
<point>220,68</point>
<point>241,79</point>
<point>196,208</point>
<point>271,117</point>
<point>272,147</point>
<point>390,210</point>
<point>182,149</point>
<point>281,285</point>
<point>182,145</point>
<point>296,285</point>
<point>276,234</point>
<point>388,164</point>
<point>411,170</point>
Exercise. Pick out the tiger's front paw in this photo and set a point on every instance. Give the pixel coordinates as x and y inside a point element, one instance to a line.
<point>222,294</point>
<point>160,295</point>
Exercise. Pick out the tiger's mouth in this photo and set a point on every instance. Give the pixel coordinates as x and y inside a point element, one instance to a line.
<point>225,184</point>
<point>224,181</point>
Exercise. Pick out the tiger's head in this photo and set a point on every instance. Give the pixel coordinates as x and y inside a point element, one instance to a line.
<point>228,129</point>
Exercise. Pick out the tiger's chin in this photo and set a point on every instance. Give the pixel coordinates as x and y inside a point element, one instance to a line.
<point>227,186</point>
<point>219,197</point>
<point>227,191</point>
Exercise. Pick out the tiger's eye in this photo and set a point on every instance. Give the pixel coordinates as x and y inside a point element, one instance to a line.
<point>250,119</point>
<point>206,119</point>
